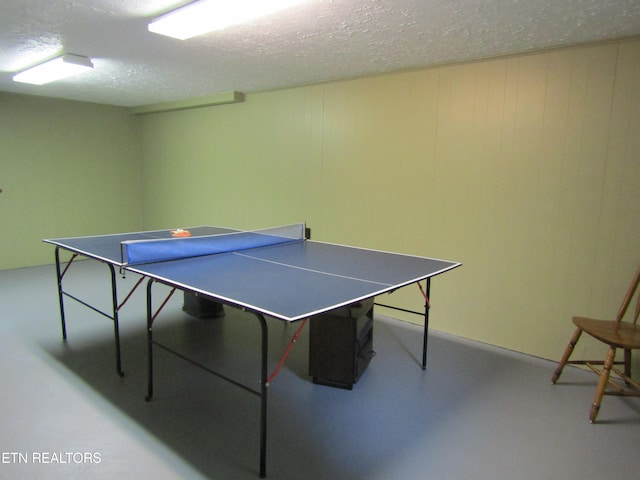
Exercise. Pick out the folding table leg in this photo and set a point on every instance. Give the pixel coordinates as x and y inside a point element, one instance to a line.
<point>116,320</point>
<point>151,316</point>
<point>263,370</point>
<point>149,342</point>
<point>114,302</point>
<point>426,324</point>
<point>60,294</point>
<point>263,395</point>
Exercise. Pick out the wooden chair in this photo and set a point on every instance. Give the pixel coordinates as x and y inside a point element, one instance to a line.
<point>617,334</point>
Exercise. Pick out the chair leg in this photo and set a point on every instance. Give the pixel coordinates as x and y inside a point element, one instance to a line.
<point>567,353</point>
<point>627,364</point>
<point>602,384</point>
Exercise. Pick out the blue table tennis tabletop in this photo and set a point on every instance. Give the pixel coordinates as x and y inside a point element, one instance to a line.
<point>295,280</point>
<point>289,281</point>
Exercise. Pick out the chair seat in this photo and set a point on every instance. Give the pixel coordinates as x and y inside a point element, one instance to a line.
<point>617,334</point>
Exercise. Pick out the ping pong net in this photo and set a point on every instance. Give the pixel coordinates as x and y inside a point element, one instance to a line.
<point>136,252</point>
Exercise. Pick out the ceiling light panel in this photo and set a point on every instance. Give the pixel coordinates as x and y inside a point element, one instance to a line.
<point>208,15</point>
<point>56,69</point>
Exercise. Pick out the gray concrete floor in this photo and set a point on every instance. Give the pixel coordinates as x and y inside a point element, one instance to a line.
<point>477,412</point>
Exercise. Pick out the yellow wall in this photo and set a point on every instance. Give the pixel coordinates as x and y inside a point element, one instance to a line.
<point>524,168</point>
<point>66,168</point>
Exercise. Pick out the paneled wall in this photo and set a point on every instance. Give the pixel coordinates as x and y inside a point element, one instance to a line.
<point>523,168</point>
<point>66,168</point>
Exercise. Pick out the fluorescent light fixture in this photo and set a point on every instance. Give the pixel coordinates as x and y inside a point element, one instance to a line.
<point>60,67</point>
<point>207,15</point>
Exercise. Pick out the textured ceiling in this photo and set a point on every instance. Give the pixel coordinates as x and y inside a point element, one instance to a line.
<point>313,42</point>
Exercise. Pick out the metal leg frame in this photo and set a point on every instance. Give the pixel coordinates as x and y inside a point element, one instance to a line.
<point>59,276</point>
<point>424,314</point>
<point>114,301</point>
<point>151,316</point>
<point>149,342</point>
<point>116,320</point>
<point>426,324</point>
<point>263,395</point>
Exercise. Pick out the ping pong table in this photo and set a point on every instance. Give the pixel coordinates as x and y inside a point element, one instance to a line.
<point>277,273</point>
